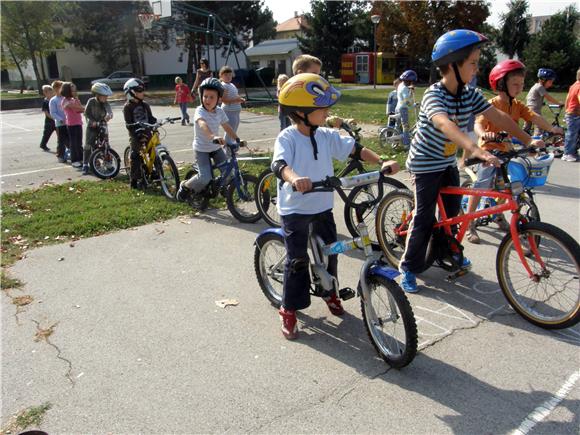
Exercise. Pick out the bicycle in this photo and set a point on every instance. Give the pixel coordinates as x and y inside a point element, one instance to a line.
<point>157,166</point>
<point>387,313</point>
<point>104,160</point>
<point>537,264</point>
<point>267,194</point>
<point>392,133</point>
<point>237,187</point>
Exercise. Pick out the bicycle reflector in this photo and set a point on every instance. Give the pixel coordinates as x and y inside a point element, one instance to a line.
<point>531,172</point>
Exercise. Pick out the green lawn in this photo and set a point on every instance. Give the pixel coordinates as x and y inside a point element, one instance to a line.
<point>18,96</point>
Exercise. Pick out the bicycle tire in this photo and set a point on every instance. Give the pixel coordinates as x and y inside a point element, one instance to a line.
<point>168,175</point>
<point>127,161</point>
<point>267,197</point>
<point>243,207</point>
<point>391,136</point>
<point>269,263</point>
<point>366,193</point>
<point>105,164</point>
<point>387,345</point>
<point>199,201</point>
<point>560,254</point>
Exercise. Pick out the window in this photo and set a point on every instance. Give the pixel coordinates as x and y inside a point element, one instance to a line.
<point>272,64</point>
<point>281,67</point>
<point>362,63</point>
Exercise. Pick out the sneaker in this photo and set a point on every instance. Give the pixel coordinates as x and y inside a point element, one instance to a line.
<point>569,158</point>
<point>472,236</point>
<point>465,264</point>
<point>183,192</point>
<point>76,164</point>
<point>86,170</point>
<point>289,323</point>
<point>334,305</point>
<point>45,148</point>
<point>409,282</point>
<point>501,223</point>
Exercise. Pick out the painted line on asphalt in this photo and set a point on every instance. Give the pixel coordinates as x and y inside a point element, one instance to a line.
<point>57,168</point>
<point>15,126</point>
<point>546,408</point>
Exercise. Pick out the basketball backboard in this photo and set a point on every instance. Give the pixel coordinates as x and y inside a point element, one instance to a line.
<point>161,8</point>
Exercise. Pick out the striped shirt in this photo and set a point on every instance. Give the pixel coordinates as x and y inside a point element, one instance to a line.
<point>431,150</point>
<point>231,92</point>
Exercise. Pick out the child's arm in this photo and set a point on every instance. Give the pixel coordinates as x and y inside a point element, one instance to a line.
<point>301,184</point>
<point>205,128</point>
<point>76,106</point>
<point>368,155</point>
<point>47,114</point>
<point>551,100</point>
<point>545,125</point>
<point>503,121</point>
<point>230,131</point>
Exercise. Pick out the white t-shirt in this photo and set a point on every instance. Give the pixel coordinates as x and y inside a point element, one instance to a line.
<point>213,119</point>
<point>230,91</point>
<point>296,149</point>
<point>404,97</point>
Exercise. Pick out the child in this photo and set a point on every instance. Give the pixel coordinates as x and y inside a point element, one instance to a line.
<point>284,120</point>
<point>55,106</point>
<point>49,125</point>
<point>507,79</point>
<point>97,110</point>
<point>537,93</point>
<point>203,72</point>
<point>444,114</point>
<point>182,97</point>
<point>231,101</point>
<point>392,103</point>
<point>74,122</point>
<point>572,119</point>
<point>136,110</point>
<point>303,153</point>
<point>206,122</point>
<point>406,100</point>
<point>306,63</point>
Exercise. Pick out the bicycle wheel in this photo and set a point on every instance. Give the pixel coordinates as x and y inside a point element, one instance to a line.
<point>392,137</point>
<point>392,214</point>
<point>360,194</point>
<point>389,321</point>
<point>269,260</point>
<point>240,199</point>
<point>127,161</point>
<point>168,175</point>
<point>105,163</point>
<point>267,197</point>
<point>551,297</point>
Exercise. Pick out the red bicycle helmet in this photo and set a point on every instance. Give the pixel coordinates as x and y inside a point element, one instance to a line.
<point>501,70</point>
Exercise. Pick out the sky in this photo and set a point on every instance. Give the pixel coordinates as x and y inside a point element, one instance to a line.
<point>284,10</point>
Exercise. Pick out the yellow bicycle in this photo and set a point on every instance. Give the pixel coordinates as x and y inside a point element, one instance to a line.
<point>157,166</point>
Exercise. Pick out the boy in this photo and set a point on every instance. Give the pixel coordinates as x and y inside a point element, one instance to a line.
<point>303,153</point>
<point>136,110</point>
<point>445,111</point>
<point>406,100</point>
<point>49,125</point>
<point>507,79</point>
<point>97,110</point>
<point>537,93</point>
<point>306,63</point>
<point>231,100</point>
<point>57,113</point>
<point>572,119</point>
<point>206,123</point>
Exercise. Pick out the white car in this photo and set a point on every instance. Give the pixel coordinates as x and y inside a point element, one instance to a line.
<point>117,79</point>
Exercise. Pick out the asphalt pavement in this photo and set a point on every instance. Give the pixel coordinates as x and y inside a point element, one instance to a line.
<point>140,345</point>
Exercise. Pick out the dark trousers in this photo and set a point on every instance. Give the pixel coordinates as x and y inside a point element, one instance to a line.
<point>75,135</point>
<point>63,141</point>
<point>49,128</point>
<point>136,171</point>
<point>427,188</point>
<point>296,294</point>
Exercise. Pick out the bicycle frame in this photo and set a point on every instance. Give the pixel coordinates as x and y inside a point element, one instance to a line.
<point>150,151</point>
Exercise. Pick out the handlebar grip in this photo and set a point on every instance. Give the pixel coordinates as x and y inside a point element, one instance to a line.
<point>174,119</point>
<point>472,161</point>
<point>216,141</point>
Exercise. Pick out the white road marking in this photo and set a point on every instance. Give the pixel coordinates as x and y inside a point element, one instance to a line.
<point>545,409</point>
<point>56,168</point>
<point>15,126</point>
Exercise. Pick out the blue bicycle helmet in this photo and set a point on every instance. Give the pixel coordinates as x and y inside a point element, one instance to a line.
<point>546,74</point>
<point>455,46</point>
<point>409,76</point>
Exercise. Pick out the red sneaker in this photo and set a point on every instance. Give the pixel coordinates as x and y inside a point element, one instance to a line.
<point>334,305</point>
<point>289,326</point>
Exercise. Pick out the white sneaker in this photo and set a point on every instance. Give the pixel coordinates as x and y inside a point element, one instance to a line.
<point>569,158</point>
<point>77,165</point>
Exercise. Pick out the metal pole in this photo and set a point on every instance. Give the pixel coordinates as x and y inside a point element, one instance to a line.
<point>375,53</point>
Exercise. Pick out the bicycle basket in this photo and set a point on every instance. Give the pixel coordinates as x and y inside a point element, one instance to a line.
<point>531,172</point>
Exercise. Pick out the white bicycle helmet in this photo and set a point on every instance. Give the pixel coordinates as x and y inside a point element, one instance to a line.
<point>101,89</point>
<point>133,85</point>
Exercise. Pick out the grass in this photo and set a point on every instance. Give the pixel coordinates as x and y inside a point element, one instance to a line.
<point>32,416</point>
<point>18,96</point>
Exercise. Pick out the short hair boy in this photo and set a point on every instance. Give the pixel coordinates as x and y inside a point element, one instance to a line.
<point>49,125</point>
<point>305,63</point>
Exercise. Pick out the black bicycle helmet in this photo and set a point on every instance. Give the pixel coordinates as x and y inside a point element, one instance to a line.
<point>211,83</point>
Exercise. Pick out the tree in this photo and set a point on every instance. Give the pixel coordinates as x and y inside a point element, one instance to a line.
<point>514,35</point>
<point>28,26</point>
<point>329,33</point>
<point>10,58</point>
<point>555,46</point>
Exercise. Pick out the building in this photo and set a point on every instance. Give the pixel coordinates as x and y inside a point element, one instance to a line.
<point>277,54</point>
<point>292,27</point>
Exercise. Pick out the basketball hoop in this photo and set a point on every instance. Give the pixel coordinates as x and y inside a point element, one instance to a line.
<point>147,20</point>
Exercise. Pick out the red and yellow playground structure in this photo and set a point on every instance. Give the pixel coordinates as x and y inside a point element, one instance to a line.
<point>360,67</point>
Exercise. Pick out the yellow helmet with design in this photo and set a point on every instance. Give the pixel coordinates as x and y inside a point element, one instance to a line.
<point>306,93</point>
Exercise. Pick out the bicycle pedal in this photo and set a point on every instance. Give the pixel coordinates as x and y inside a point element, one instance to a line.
<point>461,272</point>
<point>346,293</point>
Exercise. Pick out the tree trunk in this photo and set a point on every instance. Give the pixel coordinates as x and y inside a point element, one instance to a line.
<point>133,49</point>
<point>34,62</point>
<point>44,77</point>
<point>190,59</point>
<point>17,63</point>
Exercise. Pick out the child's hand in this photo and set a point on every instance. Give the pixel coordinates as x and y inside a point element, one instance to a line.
<point>242,100</point>
<point>218,140</point>
<point>537,143</point>
<point>488,137</point>
<point>557,130</point>
<point>487,157</point>
<point>334,121</point>
<point>391,167</point>
<point>302,184</point>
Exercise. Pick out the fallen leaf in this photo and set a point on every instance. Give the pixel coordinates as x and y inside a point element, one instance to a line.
<point>61,259</point>
<point>22,300</point>
<point>226,302</point>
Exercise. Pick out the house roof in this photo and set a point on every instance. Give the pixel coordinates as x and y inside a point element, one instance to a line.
<point>274,46</point>
<point>292,24</point>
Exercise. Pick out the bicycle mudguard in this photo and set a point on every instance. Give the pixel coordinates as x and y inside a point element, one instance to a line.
<point>278,231</point>
<point>161,149</point>
<point>383,270</point>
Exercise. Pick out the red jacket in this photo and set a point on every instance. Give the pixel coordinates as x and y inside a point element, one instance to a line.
<point>182,93</point>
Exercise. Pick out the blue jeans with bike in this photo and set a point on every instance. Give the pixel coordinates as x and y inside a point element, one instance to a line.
<point>406,137</point>
<point>296,295</point>
<point>204,176</point>
<point>573,122</point>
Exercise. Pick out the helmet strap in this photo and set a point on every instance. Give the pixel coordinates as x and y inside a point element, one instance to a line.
<point>460,83</point>
<point>313,128</point>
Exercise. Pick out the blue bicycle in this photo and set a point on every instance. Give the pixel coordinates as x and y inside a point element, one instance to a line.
<point>235,186</point>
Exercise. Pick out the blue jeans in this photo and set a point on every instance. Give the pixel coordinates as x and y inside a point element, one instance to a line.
<point>204,176</point>
<point>573,122</point>
<point>406,139</point>
<point>234,121</point>
<point>184,115</point>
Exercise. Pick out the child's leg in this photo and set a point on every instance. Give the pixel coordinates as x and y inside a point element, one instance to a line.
<point>48,129</point>
<point>234,121</point>
<point>573,123</point>
<point>485,179</point>
<point>62,137</point>
<point>296,295</point>
<point>406,137</point>
<point>136,171</point>
<point>325,227</point>
<point>76,143</point>
<point>184,114</point>
<point>90,138</point>
<point>203,177</point>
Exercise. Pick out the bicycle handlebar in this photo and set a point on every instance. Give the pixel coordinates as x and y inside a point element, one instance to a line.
<point>505,156</point>
<point>239,143</point>
<point>158,124</point>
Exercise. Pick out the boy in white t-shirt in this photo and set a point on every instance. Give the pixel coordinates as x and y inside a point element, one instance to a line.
<point>206,123</point>
<point>303,153</point>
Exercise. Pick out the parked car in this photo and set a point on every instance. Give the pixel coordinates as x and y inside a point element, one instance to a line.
<point>117,79</point>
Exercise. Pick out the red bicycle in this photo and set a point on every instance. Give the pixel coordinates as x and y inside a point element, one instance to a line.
<point>537,264</point>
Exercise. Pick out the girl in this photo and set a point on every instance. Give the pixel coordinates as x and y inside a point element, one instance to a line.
<point>202,73</point>
<point>74,122</point>
<point>182,97</point>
